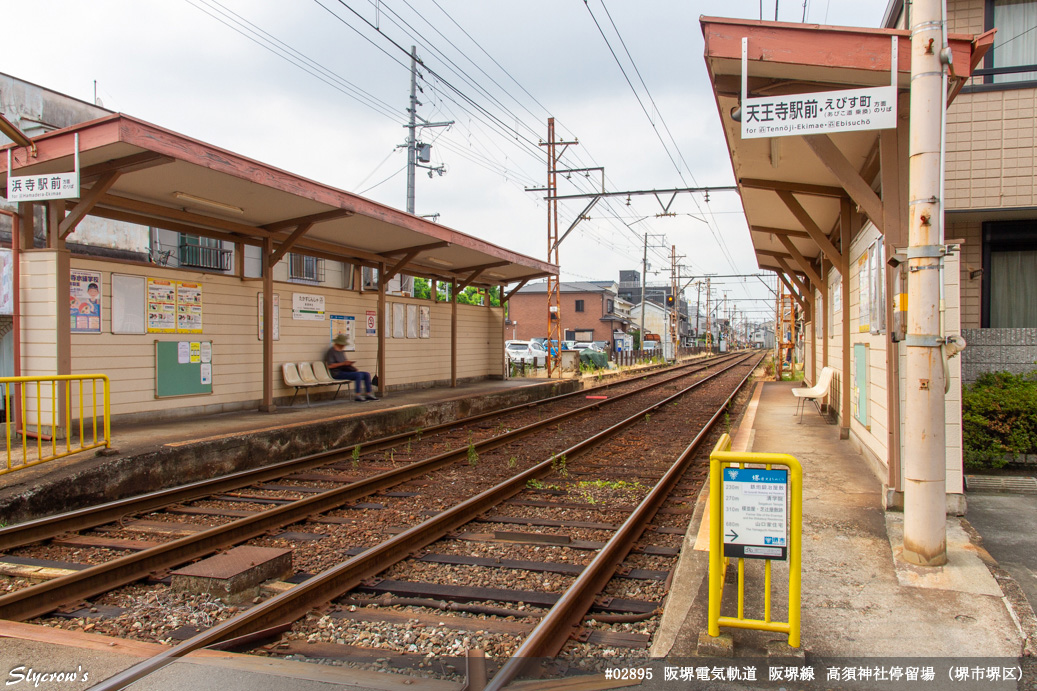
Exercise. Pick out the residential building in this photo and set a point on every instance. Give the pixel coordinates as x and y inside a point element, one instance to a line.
<point>591,311</point>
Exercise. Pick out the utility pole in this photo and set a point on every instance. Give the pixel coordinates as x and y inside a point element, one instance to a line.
<point>698,298</point>
<point>674,339</point>
<point>417,153</point>
<point>709,327</point>
<point>644,280</point>
<point>925,474</point>
<point>554,298</point>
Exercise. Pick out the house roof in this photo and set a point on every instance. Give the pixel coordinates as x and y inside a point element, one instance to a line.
<point>568,287</point>
<point>138,172</point>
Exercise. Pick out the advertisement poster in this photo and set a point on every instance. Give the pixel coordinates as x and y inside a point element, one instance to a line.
<point>84,289</point>
<point>161,306</point>
<point>425,319</point>
<point>189,308</point>
<point>412,321</point>
<point>6,283</point>
<point>372,322</point>
<point>277,316</point>
<point>341,325</point>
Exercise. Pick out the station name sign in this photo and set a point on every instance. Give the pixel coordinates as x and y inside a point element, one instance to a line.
<point>755,513</point>
<point>45,186</point>
<point>848,110</point>
<point>822,112</point>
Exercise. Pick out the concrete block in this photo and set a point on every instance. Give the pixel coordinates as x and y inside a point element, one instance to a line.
<point>720,646</point>
<point>234,576</point>
<point>781,648</point>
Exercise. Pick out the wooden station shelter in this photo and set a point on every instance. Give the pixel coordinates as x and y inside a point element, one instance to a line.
<point>827,212</point>
<point>258,217</point>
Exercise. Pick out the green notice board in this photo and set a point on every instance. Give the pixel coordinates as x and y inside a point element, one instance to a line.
<point>183,368</point>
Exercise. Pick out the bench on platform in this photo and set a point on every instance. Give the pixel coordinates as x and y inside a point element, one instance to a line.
<point>815,392</point>
<point>304,376</point>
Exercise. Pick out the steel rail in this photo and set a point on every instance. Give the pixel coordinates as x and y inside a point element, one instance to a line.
<point>550,635</point>
<point>48,596</point>
<point>81,519</point>
<point>337,580</point>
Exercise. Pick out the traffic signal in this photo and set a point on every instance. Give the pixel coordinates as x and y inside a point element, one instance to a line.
<point>669,301</point>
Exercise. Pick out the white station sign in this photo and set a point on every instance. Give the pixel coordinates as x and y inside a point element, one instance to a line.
<point>756,513</point>
<point>43,187</point>
<point>823,112</point>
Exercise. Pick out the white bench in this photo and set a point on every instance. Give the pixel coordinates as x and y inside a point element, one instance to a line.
<point>305,376</point>
<point>815,392</point>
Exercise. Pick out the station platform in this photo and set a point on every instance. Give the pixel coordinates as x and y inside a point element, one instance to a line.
<point>860,599</point>
<point>149,456</point>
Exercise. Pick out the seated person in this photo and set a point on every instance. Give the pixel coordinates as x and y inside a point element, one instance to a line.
<point>341,368</point>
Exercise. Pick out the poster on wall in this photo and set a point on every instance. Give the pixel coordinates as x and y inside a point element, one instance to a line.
<point>399,318</point>
<point>425,321</point>
<point>864,293</point>
<point>342,325</point>
<point>161,306</point>
<point>84,288</point>
<point>372,323</point>
<point>277,316</point>
<point>412,321</point>
<point>189,308</point>
<point>6,282</point>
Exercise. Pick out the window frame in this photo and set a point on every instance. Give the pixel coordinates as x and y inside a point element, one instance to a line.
<point>578,306</point>
<point>307,277</point>
<point>1003,236</point>
<point>989,71</point>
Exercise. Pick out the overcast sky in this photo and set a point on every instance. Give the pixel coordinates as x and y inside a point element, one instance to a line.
<point>208,69</point>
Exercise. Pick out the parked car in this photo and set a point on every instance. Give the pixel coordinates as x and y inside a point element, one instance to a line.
<point>583,345</point>
<point>526,352</point>
<point>603,346</point>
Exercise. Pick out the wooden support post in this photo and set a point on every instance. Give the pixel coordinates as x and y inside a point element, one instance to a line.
<point>453,333</point>
<point>845,237</point>
<point>381,331</point>
<point>267,405</point>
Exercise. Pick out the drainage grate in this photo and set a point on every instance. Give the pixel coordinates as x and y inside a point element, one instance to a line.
<point>1009,483</point>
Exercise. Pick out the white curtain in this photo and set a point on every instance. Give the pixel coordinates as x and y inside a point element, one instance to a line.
<point>1013,299</point>
<point>1016,40</point>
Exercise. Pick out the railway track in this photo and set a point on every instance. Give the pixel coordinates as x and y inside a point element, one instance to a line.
<point>499,473</point>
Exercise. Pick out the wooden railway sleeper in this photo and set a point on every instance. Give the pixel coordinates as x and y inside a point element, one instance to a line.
<point>331,583</point>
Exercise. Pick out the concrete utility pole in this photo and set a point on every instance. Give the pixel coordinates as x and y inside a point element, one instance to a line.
<point>416,150</point>
<point>925,474</point>
<point>644,280</point>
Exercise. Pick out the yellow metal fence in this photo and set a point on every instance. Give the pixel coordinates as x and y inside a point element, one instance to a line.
<point>54,417</point>
<point>722,457</point>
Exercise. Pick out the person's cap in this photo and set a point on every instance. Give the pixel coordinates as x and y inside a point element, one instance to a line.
<point>340,340</point>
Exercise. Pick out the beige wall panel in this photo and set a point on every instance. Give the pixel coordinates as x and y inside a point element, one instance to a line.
<point>230,315</point>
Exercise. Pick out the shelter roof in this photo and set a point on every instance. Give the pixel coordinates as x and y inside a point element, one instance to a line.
<point>138,172</point>
<point>787,183</point>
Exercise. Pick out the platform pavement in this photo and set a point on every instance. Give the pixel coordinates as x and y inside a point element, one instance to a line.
<point>860,599</point>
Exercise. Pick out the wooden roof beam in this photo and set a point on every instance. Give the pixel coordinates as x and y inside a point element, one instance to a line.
<point>514,290</point>
<point>279,226</point>
<point>780,231</point>
<point>804,264</point>
<point>815,232</point>
<point>87,201</point>
<point>126,164</point>
<point>835,161</point>
<point>792,290</point>
<point>797,187</point>
<point>167,224</point>
<point>395,269</point>
<point>283,248</point>
<point>415,248</point>
<point>158,211</point>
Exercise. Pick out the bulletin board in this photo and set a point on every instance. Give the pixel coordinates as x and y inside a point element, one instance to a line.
<point>183,368</point>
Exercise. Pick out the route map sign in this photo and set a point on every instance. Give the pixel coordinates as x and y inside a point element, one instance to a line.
<point>756,513</point>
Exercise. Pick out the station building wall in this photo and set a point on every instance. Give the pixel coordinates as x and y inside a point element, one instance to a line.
<point>872,436</point>
<point>230,322</point>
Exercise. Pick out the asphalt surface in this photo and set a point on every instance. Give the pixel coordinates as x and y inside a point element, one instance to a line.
<point>1008,526</point>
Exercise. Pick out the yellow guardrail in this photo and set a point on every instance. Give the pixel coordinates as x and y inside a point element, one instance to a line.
<point>36,407</point>
<point>720,459</point>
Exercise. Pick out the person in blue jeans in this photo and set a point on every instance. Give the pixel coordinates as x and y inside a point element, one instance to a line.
<point>342,368</point>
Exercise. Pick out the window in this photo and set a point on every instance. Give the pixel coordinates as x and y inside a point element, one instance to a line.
<point>579,306</point>
<point>304,269</point>
<point>610,306</point>
<point>204,253</point>
<point>1009,265</point>
<point>1015,44</point>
